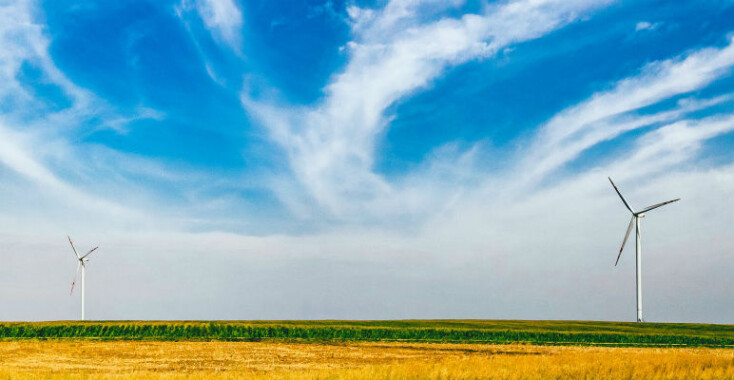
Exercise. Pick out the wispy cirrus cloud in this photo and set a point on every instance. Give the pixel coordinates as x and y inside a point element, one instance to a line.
<point>223,18</point>
<point>607,114</point>
<point>36,138</point>
<point>25,43</point>
<point>395,52</point>
<point>645,25</point>
<point>223,21</point>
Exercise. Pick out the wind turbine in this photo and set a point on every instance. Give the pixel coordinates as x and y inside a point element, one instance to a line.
<point>636,216</point>
<point>82,259</point>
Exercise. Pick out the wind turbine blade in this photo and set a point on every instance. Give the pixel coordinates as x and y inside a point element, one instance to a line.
<point>626,235</point>
<point>90,252</point>
<point>646,209</point>
<point>620,196</point>
<point>78,266</point>
<point>72,247</point>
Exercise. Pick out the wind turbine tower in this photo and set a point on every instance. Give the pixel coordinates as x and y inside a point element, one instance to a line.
<point>80,265</point>
<point>636,216</point>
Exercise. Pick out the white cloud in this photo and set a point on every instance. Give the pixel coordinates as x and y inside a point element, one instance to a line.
<point>644,25</point>
<point>23,41</point>
<point>395,52</point>
<point>606,115</point>
<point>36,142</point>
<point>224,19</point>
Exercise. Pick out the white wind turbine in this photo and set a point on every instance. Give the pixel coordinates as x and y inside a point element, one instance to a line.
<point>636,215</point>
<point>82,259</point>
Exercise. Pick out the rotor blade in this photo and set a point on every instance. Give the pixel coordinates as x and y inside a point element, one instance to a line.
<point>646,209</point>
<point>90,252</point>
<point>626,235</point>
<point>78,266</point>
<point>620,196</point>
<point>72,247</point>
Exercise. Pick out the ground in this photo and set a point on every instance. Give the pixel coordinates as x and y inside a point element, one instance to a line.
<point>122,359</point>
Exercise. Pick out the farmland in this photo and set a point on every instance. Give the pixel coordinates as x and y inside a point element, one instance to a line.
<point>406,349</point>
<point>122,359</point>
<point>424,331</point>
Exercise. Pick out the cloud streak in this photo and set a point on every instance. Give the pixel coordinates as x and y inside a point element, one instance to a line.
<point>224,19</point>
<point>609,114</point>
<point>331,146</point>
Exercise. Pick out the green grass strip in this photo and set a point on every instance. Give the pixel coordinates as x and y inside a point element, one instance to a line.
<point>533,332</point>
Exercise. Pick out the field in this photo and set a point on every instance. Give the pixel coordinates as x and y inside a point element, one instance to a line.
<point>73,359</point>
<point>435,331</point>
<point>440,349</point>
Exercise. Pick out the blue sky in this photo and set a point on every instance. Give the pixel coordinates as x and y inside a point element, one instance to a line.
<point>366,159</point>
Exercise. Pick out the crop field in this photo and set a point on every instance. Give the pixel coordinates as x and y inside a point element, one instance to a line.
<point>416,349</point>
<point>426,331</point>
<point>121,359</point>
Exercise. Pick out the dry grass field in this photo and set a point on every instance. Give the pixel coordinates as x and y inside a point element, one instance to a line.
<point>80,359</point>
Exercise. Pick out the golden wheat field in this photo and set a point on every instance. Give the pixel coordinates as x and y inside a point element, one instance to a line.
<point>258,360</point>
